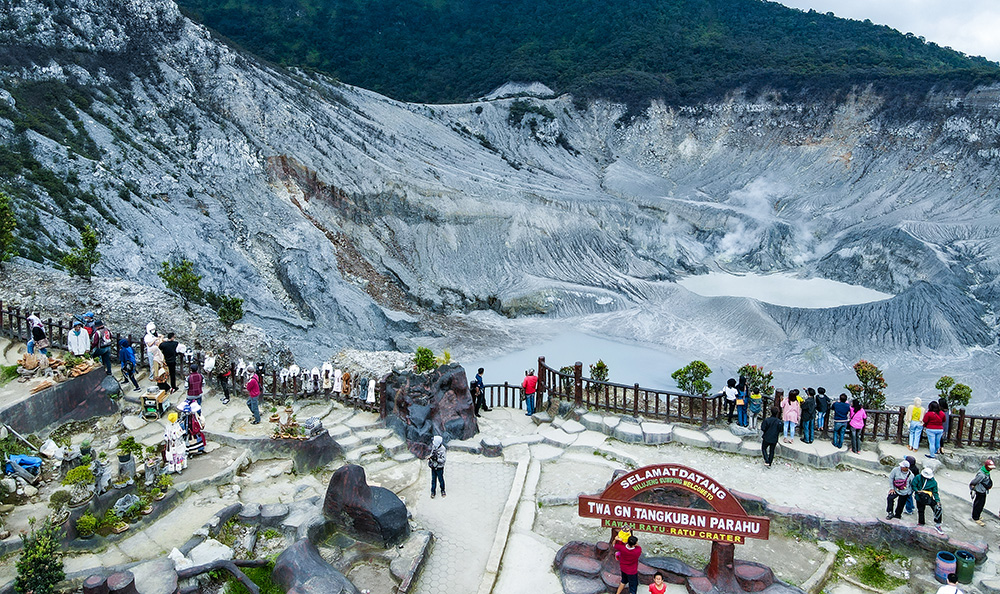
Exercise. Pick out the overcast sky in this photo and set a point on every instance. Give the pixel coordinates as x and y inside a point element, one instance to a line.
<point>970,26</point>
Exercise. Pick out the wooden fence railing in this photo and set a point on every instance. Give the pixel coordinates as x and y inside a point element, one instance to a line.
<point>881,425</point>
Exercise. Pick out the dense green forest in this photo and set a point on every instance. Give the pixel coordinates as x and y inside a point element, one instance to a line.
<point>440,51</point>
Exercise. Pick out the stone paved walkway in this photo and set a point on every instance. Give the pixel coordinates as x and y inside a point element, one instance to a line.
<point>463,523</point>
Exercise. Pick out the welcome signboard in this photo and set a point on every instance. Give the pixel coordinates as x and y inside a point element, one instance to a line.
<point>727,521</point>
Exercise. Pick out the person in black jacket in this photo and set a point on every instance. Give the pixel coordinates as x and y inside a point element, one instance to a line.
<point>771,431</point>
<point>822,407</point>
<point>169,349</point>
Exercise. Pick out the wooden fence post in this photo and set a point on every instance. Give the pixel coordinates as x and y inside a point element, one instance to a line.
<point>961,426</point>
<point>704,412</point>
<point>381,399</point>
<point>635,403</point>
<point>578,384</point>
<point>506,394</point>
<point>542,369</point>
<point>899,425</point>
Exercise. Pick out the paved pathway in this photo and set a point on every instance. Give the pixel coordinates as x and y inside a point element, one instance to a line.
<point>464,523</point>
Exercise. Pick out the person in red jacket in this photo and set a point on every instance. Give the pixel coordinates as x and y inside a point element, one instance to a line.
<point>529,384</point>
<point>253,394</point>
<point>628,554</point>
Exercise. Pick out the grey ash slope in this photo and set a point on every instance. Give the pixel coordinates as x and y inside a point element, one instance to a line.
<point>325,205</point>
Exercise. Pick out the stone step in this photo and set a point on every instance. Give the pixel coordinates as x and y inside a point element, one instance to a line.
<point>356,455</point>
<point>362,420</point>
<point>338,432</point>
<point>378,466</point>
<point>349,443</point>
<point>373,436</point>
<point>394,445</point>
<point>404,456</point>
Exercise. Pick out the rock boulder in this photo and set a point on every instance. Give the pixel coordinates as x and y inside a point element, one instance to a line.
<point>302,570</point>
<point>371,513</point>
<point>421,405</point>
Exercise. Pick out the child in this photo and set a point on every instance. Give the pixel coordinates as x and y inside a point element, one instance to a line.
<point>658,586</point>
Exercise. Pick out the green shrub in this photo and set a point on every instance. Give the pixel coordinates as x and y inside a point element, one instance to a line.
<point>182,280</point>
<point>954,394</point>
<point>86,524</point>
<point>59,499</point>
<point>599,371</point>
<point>423,360</point>
<point>758,382</point>
<point>81,261</point>
<point>81,475</point>
<point>691,378</point>
<point>870,387</point>
<point>40,567</point>
<point>7,225</point>
<point>230,310</point>
<point>7,373</point>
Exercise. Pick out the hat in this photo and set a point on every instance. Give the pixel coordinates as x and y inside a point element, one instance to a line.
<point>77,323</point>
<point>927,473</point>
<point>98,323</point>
<point>989,464</point>
<point>150,327</point>
<point>89,314</point>
<point>904,464</point>
<point>438,440</point>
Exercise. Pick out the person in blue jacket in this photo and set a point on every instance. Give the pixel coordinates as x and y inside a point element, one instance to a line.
<point>126,356</point>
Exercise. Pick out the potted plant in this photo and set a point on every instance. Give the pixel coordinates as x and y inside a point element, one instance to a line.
<point>81,482</point>
<point>165,482</point>
<point>128,448</point>
<point>146,502</point>
<point>58,501</point>
<point>275,416</point>
<point>133,512</point>
<point>85,448</point>
<point>157,494</point>
<point>86,525</point>
<point>152,454</point>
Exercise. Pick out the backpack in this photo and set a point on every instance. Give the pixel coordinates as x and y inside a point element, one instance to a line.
<point>105,338</point>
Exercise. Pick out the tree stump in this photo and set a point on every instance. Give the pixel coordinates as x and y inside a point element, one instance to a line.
<point>122,582</point>
<point>95,584</point>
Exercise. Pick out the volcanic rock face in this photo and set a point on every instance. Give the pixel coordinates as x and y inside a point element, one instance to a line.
<point>420,406</point>
<point>373,513</point>
<point>347,219</point>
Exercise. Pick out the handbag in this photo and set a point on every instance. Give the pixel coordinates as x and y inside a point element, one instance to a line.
<point>740,402</point>
<point>42,344</point>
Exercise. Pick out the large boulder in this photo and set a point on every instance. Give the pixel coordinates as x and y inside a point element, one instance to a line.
<point>301,569</point>
<point>419,406</point>
<point>372,513</point>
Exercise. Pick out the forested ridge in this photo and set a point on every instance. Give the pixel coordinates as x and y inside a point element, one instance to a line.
<point>440,51</point>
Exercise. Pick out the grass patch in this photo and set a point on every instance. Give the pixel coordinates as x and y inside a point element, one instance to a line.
<point>868,565</point>
<point>228,532</point>
<point>258,575</point>
<point>7,373</point>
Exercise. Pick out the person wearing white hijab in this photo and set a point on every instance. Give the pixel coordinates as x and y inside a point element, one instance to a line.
<point>149,340</point>
<point>436,461</point>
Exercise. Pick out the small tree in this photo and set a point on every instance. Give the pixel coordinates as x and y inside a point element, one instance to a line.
<point>691,378</point>
<point>230,310</point>
<point>81,261</point>
<point>757,380</point>
<point>184,281</point>
<point>40,567</point>
<point>7,225</point>
<point>599,371</point>
<point>870,387</point>
<point>954,394</point>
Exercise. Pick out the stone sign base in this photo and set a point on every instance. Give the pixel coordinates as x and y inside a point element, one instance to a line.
<point>586,568</point>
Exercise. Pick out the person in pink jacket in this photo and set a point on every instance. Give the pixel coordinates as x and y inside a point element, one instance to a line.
<point>791,411</point>
<point>856,423</point>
